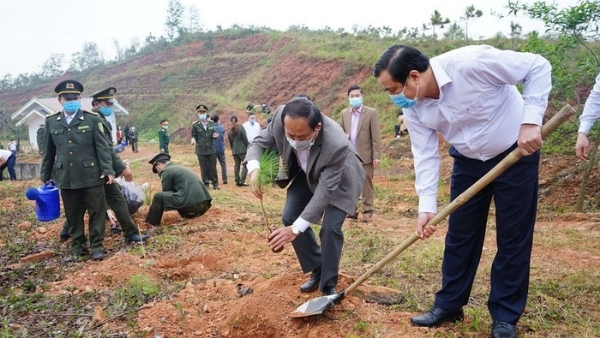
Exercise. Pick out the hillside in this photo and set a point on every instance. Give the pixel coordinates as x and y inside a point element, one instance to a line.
<point>259,68</point>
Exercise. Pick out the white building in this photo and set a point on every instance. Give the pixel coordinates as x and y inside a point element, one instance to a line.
<point>33,114</point>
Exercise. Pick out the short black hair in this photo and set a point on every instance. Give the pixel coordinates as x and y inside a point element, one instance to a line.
<point>399,60</point>
<point>215,118</point>
<point>400,112</point>
<point>234,118</point>
<point>354,87</point>
<point>301,107</point>
<point>161,122</point>
<point>304,96</point>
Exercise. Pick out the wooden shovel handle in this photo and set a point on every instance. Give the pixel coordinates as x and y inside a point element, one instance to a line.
<point>564,114</point>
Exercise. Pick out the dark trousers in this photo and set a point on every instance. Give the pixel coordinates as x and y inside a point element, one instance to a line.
<point>515,197</point>
<point>208,169</point>
<point>117,203</point>
<point>134,146</point>
<point>221,159</point>
<point>239,170</point>
<point>10,164</point>
<point>76,202</point>
<point>157,208</point>
<point>310,255</point>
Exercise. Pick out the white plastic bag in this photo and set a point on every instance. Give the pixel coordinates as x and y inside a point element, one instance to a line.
<point>134,194</point>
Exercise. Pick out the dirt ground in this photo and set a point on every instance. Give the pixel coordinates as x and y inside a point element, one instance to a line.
<point>216,263</point>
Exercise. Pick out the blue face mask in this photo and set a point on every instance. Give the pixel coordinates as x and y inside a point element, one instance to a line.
<point>355,102</point>
<point>71,106</point>
<point>402,101</point>
<point>106,111</point>
<point>202,116</point>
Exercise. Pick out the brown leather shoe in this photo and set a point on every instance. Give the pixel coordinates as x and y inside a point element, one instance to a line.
<point>353,216</point>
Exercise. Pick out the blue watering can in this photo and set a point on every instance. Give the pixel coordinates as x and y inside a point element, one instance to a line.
<point>47,201</point>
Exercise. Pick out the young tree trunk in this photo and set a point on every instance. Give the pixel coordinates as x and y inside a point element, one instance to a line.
<point>586,176</point>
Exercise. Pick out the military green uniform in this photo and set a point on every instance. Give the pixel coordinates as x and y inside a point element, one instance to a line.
<point>40,138</point>
<point>238,142</point>
<point>79,154</point>
<point>163,141</point>
<point>182,190</point>
<point>114,198</point>
<point>205,151</point>
<point>133,139</point>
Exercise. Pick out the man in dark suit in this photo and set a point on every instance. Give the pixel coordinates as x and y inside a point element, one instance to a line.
<point>182,190</point>
<point>325,177</point>
<point>361,125</point>
<point>76,151</point>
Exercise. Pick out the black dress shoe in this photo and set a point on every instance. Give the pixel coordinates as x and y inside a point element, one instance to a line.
<point>98,255</point>
<point>64,237</point>
<point>136,238</point>
<point>329,291</point>
<point>353,216</point>
<point>436,316</point>
<point>224,182</point>
<point>115,229</point>
<point>502,329</point>
<point>313,283</point>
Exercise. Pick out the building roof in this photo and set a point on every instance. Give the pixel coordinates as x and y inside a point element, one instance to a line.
<point>47,106</point>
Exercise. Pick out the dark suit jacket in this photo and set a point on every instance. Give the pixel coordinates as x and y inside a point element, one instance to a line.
<point>334,171</point>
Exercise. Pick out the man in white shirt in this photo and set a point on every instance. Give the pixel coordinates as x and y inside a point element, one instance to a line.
<point>591,112</point>
<point>8,160</point>
<point>252,127</point>
<point>469,95</point>
<point>12,146</point>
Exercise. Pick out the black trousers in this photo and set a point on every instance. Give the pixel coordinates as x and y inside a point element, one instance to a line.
<point>310,255</point>
<point>515,197</point>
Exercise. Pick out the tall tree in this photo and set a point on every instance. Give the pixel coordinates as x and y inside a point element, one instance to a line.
<point>174,18</point>
<point>437,20</point>
<point>90,56</point>
<point>53,67</point>
<point>470,13</point>
<point>515,33</point>
<point>193,19</point>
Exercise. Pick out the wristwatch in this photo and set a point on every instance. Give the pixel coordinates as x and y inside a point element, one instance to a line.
<point>295,230</point>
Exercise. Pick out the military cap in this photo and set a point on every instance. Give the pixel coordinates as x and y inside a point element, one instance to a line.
<point>201,108</point>
<point>107,94</point>
<point>69,89</point>
<point>159,157</point>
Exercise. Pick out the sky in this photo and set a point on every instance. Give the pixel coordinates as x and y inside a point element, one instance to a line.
<point>32,30</point>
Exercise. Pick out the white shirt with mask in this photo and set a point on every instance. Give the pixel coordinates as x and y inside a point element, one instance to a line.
<point>252,130</point>
<point>479,110</point>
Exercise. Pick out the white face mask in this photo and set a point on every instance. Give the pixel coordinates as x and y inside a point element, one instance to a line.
<point>301,145</point>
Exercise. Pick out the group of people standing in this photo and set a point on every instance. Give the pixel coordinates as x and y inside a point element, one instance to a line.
<point>469,96</point>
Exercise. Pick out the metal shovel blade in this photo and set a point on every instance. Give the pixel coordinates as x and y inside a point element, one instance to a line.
<point>315,306</point>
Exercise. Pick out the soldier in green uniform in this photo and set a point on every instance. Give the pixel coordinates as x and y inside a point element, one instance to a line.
<point>76,147</point>
<point>40,138</point>
<point>102,103</point>
<point>203,133</point>
<point>163,137</point>
<point>182,190</point>
<point>133,139</point>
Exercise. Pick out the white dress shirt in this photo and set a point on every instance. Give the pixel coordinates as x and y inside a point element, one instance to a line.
<point>479,110</point>
<point>591,110</point>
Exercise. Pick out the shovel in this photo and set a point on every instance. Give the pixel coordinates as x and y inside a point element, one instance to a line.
<point>319,305</point>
